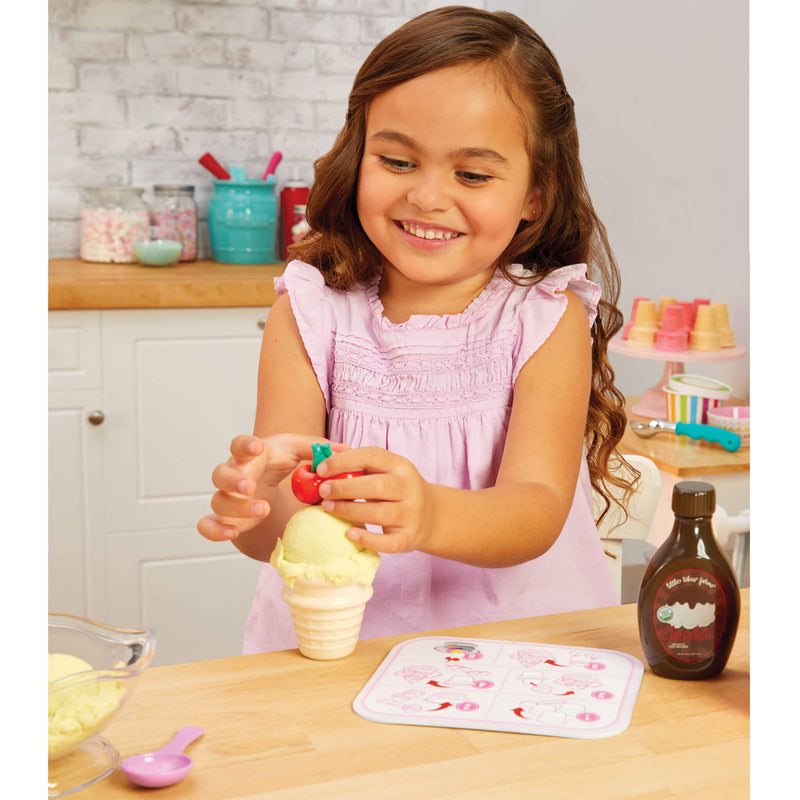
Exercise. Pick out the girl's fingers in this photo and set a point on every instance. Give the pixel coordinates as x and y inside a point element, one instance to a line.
<point>244,447</point>
<point>211,528</point>
<point>379,542</point>
<point>228,478</point>
<point>245,508</point>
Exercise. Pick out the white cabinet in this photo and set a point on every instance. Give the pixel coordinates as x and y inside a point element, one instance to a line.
<point>173,386</point>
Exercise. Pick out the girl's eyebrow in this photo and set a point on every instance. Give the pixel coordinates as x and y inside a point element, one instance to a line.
<point>395,137</point>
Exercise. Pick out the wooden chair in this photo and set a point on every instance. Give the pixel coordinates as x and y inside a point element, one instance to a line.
<point>614,528</point>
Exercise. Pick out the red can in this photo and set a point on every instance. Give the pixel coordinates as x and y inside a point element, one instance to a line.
<point>294,193</point>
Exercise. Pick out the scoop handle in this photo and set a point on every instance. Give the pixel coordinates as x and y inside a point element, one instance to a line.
<point>728,439</point>
<point>184,737</point>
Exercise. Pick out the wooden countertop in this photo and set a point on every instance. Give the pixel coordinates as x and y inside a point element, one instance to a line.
<point>76,284</point>
<point>282,726</point>
<point>682,456</point>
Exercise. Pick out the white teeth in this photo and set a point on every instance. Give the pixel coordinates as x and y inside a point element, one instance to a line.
<point>422,233</point>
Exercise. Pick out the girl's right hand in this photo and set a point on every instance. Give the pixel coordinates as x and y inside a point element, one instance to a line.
<point>249,477</point>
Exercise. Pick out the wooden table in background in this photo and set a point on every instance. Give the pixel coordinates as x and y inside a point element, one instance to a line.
<point>281,726</point>
<point>680,458</point>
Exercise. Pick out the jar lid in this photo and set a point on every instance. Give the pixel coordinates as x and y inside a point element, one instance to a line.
<point>161,188</point>
<point>694,499</point>
<point>113,189</point>
<point>699,386</point>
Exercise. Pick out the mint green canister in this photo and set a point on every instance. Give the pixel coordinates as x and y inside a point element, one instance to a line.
<point>242,221</point>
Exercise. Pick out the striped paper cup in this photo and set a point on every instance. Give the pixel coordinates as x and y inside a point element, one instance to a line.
<point>689,397</point>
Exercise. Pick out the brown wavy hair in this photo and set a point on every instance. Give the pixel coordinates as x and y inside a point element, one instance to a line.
<point>567,231</point>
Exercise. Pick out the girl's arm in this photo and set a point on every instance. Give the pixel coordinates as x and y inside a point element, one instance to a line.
<point>522,515</point>
<point>254,498</point>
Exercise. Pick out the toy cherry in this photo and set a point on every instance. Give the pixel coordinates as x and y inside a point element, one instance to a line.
<point>306,482</point>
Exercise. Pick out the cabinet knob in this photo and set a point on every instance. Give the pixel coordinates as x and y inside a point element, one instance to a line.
<point>96,417</point>
<point>262,322</point>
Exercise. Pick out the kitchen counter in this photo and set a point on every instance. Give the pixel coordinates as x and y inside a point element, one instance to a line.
<point>281,725</point>
<point>78,285</point>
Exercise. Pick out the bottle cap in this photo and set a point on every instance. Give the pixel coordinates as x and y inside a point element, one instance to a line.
<point>693,499</point>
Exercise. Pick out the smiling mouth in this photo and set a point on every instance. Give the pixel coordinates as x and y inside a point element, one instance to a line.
<point>423,232</point>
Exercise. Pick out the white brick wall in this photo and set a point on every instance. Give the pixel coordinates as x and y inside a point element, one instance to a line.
<point>140,89</point>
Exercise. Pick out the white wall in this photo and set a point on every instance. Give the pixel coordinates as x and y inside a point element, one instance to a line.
<point>661,97</point>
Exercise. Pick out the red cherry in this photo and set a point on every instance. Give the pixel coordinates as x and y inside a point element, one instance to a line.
<point>305,483</point>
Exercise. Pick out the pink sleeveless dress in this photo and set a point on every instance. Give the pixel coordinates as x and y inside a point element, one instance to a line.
<point>438,390</point>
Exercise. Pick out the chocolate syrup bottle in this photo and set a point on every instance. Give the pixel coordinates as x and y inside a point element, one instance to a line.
<point>689,599</point>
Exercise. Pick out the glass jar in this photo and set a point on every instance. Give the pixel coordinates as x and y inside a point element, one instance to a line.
<point>174,206</point>
<point>113,217</point>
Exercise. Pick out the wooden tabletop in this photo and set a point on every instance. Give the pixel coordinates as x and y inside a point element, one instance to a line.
<point>681,455</point>
<point>76,284</point>
<point>281,725</point>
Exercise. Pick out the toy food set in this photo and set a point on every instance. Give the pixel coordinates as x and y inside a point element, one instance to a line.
<point>328,577</point>
<point>670,325</point>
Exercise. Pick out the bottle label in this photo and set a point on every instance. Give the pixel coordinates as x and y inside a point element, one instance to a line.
<point>689,614</point>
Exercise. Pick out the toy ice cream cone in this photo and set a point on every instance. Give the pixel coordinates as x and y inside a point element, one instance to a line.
<point>328,582</point>
<point>704,336</point>
<point>673,334</point>
<point>723,325</point>
<point>326,616</point>
<point>643,333</point>
<point>663,302</point>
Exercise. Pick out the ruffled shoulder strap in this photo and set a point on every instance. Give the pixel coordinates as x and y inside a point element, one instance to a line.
<point>310,299</point>
<point>544,305</point>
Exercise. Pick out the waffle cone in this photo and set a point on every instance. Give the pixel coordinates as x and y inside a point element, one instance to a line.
<point>326,616</point>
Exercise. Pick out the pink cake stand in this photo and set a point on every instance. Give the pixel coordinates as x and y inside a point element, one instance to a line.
<point>653,404</point>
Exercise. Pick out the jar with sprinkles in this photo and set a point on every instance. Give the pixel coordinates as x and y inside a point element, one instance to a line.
<point>174,206</point>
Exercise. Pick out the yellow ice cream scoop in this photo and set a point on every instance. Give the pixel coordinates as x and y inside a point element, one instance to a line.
<point>314,547</point>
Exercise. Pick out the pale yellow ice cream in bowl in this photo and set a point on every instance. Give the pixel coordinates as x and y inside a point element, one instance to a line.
<point>328,582</point>
<point>92,671</point>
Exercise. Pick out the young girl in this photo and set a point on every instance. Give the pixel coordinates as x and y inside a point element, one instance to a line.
<point>439,328</point>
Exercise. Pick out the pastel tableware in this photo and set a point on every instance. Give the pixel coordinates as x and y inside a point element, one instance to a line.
<point>690,397</point>
<point>164,766</point>
<point>733,418</point>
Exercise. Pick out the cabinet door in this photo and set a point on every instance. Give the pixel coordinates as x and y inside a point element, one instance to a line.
<point>179,385</point>
<point>75,460</point>
<point>193,593</point>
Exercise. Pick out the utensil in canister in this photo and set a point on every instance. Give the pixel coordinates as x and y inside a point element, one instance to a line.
<point>214,167</point>
<point>164,766</point>
<point>273,164</point>
<point>729,440</point>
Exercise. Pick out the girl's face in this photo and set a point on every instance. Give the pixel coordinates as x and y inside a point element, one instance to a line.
<point>445,176</point>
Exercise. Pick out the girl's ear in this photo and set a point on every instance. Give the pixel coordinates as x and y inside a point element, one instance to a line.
<point>533,207</point>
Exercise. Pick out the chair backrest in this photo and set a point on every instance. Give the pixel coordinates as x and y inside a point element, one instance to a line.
<point>614,528</point>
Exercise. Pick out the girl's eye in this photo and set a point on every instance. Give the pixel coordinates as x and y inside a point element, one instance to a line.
<point>474,178</point>
<point>395,164</point>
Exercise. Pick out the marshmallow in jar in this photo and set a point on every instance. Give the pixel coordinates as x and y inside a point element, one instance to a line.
<point>112,219</point>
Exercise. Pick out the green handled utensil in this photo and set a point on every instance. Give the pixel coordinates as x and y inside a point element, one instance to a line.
<point>728,439</point>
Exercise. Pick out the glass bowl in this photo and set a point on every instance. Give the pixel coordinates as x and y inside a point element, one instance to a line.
<point>162,248</point>
<point>83,700</point>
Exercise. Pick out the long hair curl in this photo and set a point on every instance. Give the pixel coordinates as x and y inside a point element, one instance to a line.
<point>566,231</point>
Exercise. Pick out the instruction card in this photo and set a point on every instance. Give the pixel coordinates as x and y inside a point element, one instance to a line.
<point>518,687</point>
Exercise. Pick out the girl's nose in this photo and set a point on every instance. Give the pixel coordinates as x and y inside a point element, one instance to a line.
<point>428,193</point>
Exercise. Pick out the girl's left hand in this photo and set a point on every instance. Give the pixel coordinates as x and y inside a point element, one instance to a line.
<point>394,494</point>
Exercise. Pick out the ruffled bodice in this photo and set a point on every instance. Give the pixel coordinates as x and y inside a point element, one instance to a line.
<point>438,390</point>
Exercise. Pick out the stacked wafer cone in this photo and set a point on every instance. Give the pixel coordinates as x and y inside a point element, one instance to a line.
<point>679,325</point>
